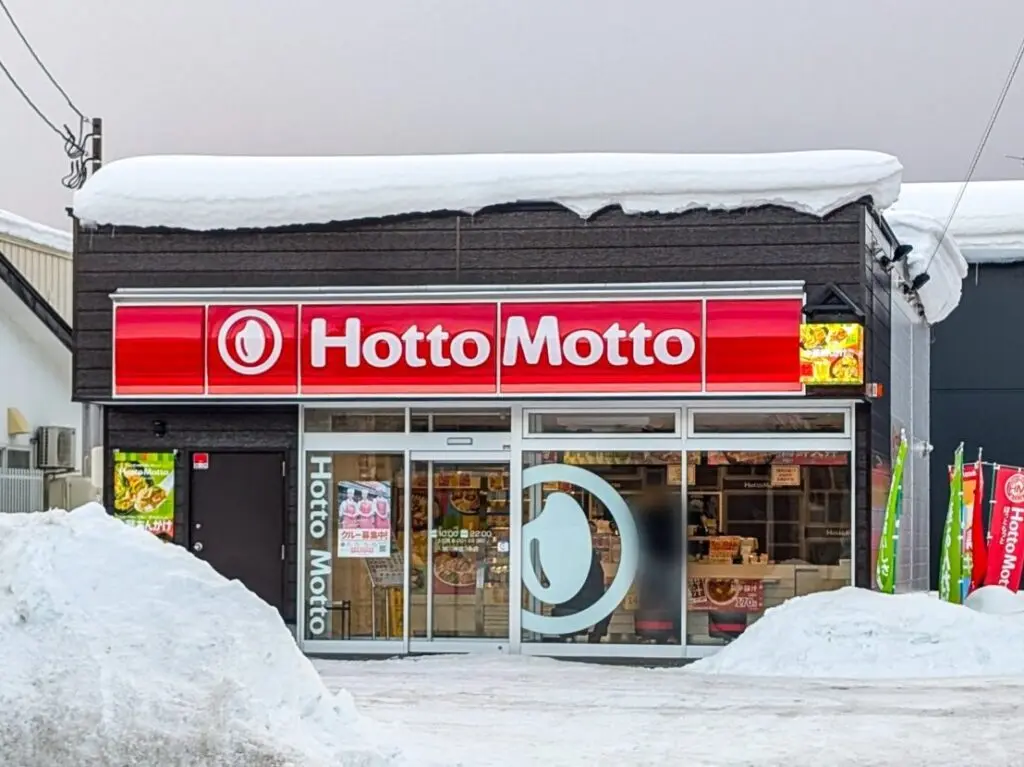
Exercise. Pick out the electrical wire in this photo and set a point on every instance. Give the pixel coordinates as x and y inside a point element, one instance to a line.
<point>28,100</point>
<point>42,66</point>
<point>74,144</point>
<point>1007,84</point>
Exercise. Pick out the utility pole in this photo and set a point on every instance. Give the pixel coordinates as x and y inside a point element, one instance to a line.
<point>96,149</point>
<point>92,415</point>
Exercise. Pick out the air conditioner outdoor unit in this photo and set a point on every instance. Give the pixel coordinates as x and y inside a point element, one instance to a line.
<point>55,448</point>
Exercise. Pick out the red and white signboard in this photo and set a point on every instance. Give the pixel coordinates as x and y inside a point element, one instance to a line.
<point>1006,544</point>
<point>480,348</point>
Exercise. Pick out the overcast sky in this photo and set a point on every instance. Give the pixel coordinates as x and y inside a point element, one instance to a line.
<point>917,78</point>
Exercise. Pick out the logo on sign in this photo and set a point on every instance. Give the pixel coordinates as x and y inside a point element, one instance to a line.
<point>250,342</point>
<point>1014,489</point>
<point>558,542</point>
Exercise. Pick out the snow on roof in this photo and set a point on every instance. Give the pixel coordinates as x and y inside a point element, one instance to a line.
<point>18,228</point>
<point>935,253</point>
<point>989,221</point>
<point>208,193</point>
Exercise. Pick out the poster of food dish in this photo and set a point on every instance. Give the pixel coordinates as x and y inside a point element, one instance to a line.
<point>144,490</point>
<point>456,572</point>
<point>726,594</point>
<point>831,354</point>
<point>364,519</point>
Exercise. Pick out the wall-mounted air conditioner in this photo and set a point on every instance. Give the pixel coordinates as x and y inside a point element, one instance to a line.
<point>55,448</point>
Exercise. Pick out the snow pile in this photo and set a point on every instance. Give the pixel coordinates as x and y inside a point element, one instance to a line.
<point>18,228</point>
<point>995,600</point>
<point>208,193</point>
<point>934,252</point>
<point>118,649</point>
<point>989,221</point>
<point>858,634</point>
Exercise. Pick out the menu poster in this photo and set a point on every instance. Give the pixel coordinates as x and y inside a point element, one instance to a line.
<point>786,475</point>
<point>144,490</point>
<point>831,354</point>
<point>707,594</point>
<point>364,519</point>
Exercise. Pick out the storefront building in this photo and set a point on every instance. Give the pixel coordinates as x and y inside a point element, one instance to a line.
<point>547,428</point>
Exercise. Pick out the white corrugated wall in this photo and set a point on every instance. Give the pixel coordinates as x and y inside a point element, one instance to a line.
<point>909,399</point>
<point>48,270</point>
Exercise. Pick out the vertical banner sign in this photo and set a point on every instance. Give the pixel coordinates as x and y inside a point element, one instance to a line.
<point>979,546</point>
<point>319,548</point>
<point>144,490</point>
<point>951,556</point>
<point>1004,551</point>
<point>885,565</point>
<point>969,491</point>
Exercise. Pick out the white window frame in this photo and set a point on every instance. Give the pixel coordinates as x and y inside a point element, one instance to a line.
<point>810,407</point>
<point>6,450</point>
<point>600,408</point>
<point>515,444</point>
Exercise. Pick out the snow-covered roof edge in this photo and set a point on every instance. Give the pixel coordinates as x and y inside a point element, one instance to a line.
<point>989,221</point>
<point>210,193</point>
<point>17,228</point>
<point>936,253</point>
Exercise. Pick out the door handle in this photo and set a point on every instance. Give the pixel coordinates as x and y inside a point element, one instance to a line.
<point>197,546</point>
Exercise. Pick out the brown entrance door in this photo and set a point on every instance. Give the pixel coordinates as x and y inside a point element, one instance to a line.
<point>236,505</point>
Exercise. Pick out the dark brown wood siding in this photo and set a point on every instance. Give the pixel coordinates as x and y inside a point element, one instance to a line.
<point>516,245</point>
<point>499,247</point>
<point>208,429</point>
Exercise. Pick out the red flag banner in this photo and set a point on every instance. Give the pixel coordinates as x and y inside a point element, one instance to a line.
<point>978,545</point>
<point>1006,549</point>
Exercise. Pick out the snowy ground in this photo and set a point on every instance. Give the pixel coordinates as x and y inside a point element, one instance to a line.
<point>524,711</point>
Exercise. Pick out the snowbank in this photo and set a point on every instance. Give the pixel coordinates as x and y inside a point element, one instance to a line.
<point>934,252</point>
<point>18,228</point>
<point>118,649</point>
<point>989,221</point>
<point>208,193</point>
<point>859,634</point>
<point>995,600</point>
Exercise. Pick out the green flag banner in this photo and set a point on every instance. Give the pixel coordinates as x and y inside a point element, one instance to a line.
<point>885,564</point>
<point>951,556</point>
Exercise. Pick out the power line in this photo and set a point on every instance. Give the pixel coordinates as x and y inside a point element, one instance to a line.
<point>74,146</point>
<point>32,105</point>
<point>42,66</point>
<point>1007,84</point>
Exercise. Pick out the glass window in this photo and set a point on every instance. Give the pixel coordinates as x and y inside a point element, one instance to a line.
<point>762,527</point>
<point>602,547</point>
<point>13,458</point>
<point>602,423</point>
<point>354,568</point>
<point>755,422</point>
<point>471,420</point>
<point>325,420</point>
<point>460,537</point>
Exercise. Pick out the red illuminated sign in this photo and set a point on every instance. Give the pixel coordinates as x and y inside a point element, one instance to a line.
<point>685,346</point>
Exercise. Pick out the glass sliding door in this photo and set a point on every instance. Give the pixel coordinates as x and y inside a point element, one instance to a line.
<point>459,551</point>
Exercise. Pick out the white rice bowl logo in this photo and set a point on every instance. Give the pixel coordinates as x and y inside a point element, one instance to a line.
<point>1014,489</point>
<point>564,547</point>
<point>250,342</point>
